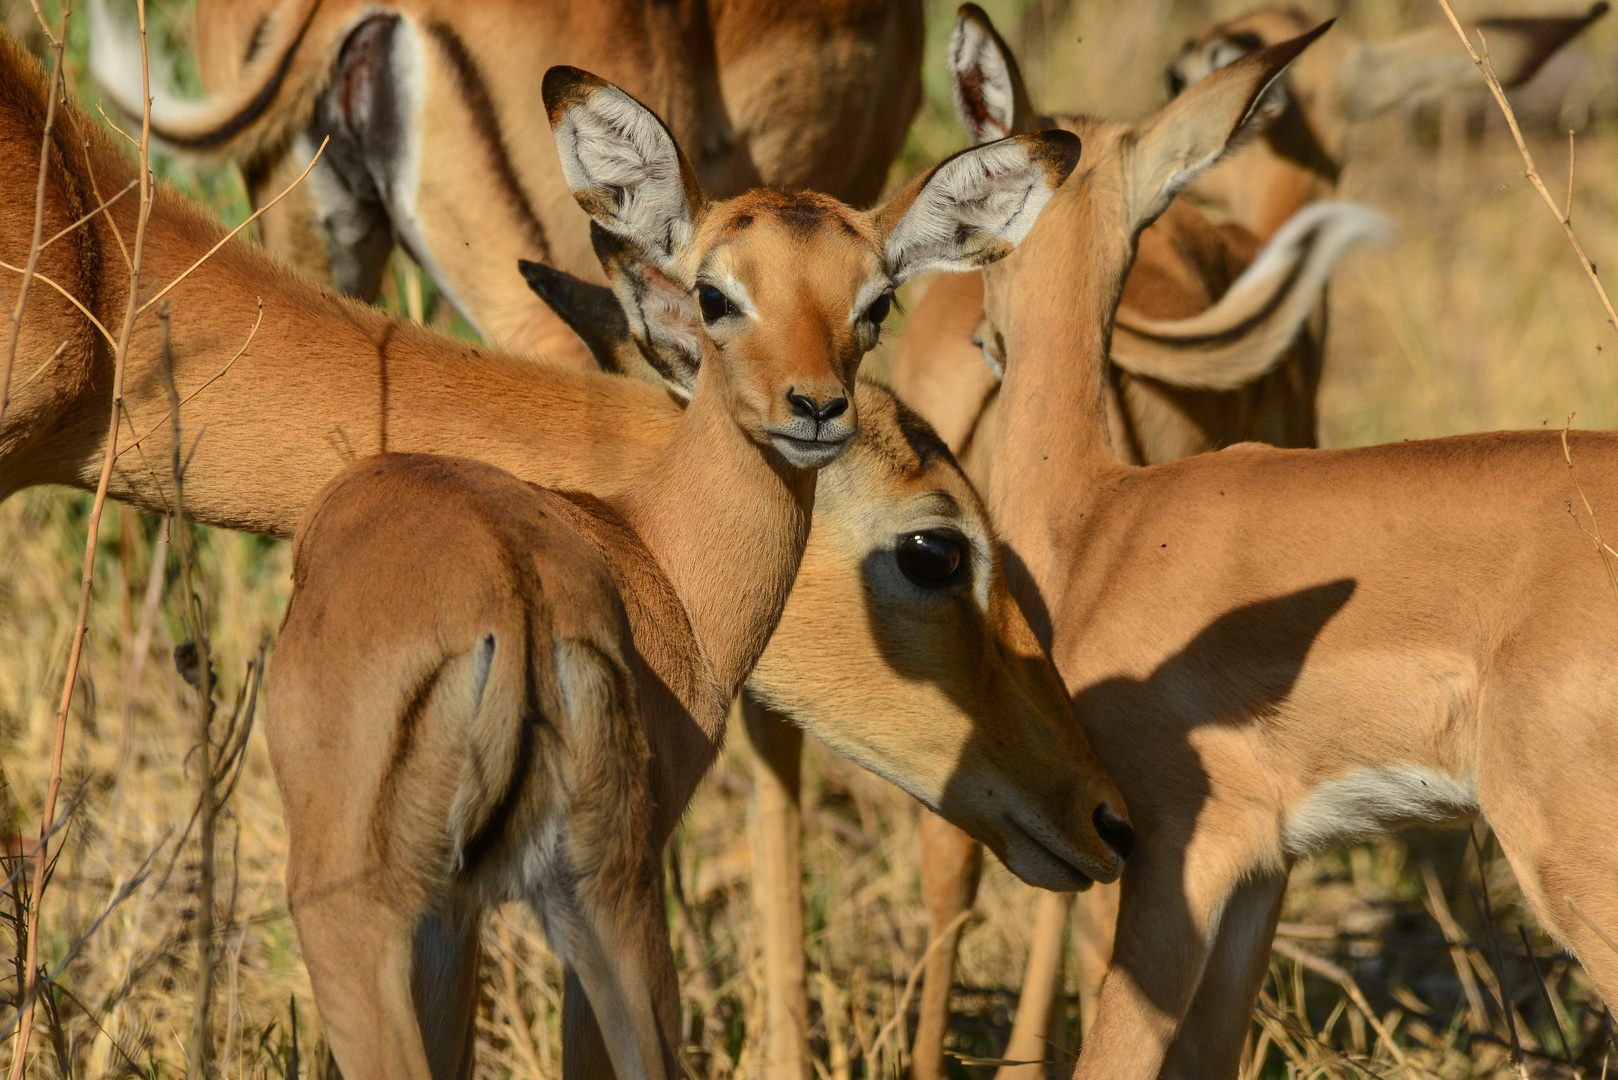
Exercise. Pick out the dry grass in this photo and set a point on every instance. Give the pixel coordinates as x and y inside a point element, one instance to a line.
<point>1475,318</point>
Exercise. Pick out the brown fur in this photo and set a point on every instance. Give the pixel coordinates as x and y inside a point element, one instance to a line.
<point>326,380</point>
<point>1301,156</point>
<point>786,95</point>
<point>1244,632</point>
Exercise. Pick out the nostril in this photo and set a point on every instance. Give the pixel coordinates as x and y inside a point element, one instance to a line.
<point>806,406</point>
<point>1114,830</point>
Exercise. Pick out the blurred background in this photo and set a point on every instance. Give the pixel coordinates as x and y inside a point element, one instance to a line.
<point>1475,317</point>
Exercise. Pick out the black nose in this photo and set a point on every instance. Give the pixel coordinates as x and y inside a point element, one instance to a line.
<point>806,406</point>
<point>1115,831</point>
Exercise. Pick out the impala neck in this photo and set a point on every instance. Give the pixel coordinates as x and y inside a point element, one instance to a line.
<point>1052,453</point>
<point>726,520</point>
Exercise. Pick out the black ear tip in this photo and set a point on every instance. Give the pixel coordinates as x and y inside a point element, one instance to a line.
<point>559,82</point>
<point>1062,147</point>
<point>541,279</point>
<point>971,11</point>
<point>1598,9</point>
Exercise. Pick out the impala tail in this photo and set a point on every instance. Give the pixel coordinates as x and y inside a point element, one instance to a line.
<point>288,68</point>
<point>1254,324</point>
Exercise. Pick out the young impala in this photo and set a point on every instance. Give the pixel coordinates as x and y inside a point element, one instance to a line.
<point>1279,651</point>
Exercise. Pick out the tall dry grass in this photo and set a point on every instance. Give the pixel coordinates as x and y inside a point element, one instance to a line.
<point>1476,317</point>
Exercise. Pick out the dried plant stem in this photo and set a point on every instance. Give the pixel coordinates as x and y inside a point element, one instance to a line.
<point>198,1051</point>
<point>25,1014</point>
<point>14,334</point>
<point>1564,216</point>
<point>1321,966</point>
<point>1594,532</point>
<point>903,1005</point>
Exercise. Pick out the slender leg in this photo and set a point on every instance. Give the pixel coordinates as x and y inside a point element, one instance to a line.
<point>1173,897</point>
<point>951,866</point>
<point>778,888</point>
<point>445,988</point>
<point>1209,1042</point>
<point>1041,983</point>
<point>1095,920</point>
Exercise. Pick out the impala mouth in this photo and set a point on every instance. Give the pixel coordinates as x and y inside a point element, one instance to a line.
<point>810,453</point>
<point>1044,866</point>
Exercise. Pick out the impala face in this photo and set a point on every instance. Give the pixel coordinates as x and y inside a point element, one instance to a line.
<point>942,687</point>
<point>793,288</point>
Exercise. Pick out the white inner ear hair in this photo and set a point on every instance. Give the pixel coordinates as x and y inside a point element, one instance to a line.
<point>671,319</point>
<point>611,141</point>
<point>992,193</point>
<point>984,101</point>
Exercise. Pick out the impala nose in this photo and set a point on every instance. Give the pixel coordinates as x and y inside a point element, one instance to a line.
<point>1114,831</point>
<point>807,407</point>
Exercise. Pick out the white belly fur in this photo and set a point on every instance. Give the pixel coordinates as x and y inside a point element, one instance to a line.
<point>1373,800</point>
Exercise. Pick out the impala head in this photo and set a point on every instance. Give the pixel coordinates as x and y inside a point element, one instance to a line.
<point>1130,173</point>
<point>1351,80</point>
<point>786,291</point>
<point>900,645</point>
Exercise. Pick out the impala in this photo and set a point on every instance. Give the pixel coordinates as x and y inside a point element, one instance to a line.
<point>1198,361</point>
<point>1301,156</point>
<point>324,380</point>
<point>1279,651</point>
<point>437,140</point>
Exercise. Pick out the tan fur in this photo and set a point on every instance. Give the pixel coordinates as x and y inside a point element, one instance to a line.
<point>1301,156</point>
<point>325,381</point>
<point>791,96</point>
<point>1277,651</point>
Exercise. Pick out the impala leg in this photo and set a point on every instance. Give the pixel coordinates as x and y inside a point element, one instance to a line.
<point>1209,1042</point>
<point>1168,915</point>
<point>1095,919</point>
<point>778,887</point>
<point>951,866</point>
<point>359,954</point>
<point>1041,983</point>
<point>444,984</point>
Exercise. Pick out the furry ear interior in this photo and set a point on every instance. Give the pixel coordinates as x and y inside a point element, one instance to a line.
<point>1216,114</point>
<point>663,319</point>
<point>622,165</point>
<point>976,206</point>
<point>991,100</point>
<point>1429,63</point>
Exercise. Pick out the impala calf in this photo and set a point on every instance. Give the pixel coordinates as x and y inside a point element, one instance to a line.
<point>1300,157</point>
<point>1279,651</point>
<point>435,140</point>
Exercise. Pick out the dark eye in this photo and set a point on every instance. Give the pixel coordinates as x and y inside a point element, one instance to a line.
<point>879,309</point>
<point>932,559</point>
<point>714,304</point>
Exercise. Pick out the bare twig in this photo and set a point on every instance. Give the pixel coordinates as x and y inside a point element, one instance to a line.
<point>1601,545</point>
<point>105,333</point>
<point>1486,913</point>
<point>1564,217</point>
<point>164,291</point>
<point>25,1013</point>
<point>1545,995</point>
<point>1600,933</point>
<point>155,576</point>
<point>903,1006</point>
<point>35,247</point>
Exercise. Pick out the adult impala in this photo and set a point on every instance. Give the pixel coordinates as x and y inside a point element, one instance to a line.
<point>1300,157</point>
<point>436,140</point>
<point>1279,651</point>
<point>324,380</point>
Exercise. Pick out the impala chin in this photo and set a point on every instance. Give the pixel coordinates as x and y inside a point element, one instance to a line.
<point>1034,852</point>
<point>814,451</point>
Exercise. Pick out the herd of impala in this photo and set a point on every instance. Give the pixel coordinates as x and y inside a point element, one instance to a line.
<point>529,584</point>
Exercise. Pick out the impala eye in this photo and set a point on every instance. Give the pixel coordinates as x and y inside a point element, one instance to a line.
<point>879,309</point>
<point>715,304</point>
<point>932,559</point>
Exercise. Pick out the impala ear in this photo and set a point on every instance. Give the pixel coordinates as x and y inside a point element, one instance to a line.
<point>661,318</point>
<point>991,101</point>
<point>1216,114</point>
<point>1429,63</point>
<point>975,206</point>
<point>622,164</point>
<point>590,311</point>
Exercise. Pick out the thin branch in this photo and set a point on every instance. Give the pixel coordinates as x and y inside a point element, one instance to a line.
<point>902,1008</point>
<point>1601,545</point>
<point>37,276</point>
<point>253,330</point>
<point>95,189</point>
<point>1563,217</point>
<point>164,291</point>
<point>1321,966</point>
<point>1600,933</point>
<point>25,1014</point>
<point>125,190</point>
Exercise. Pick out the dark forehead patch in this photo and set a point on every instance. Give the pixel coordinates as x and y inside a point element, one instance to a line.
<point>802,212</point>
